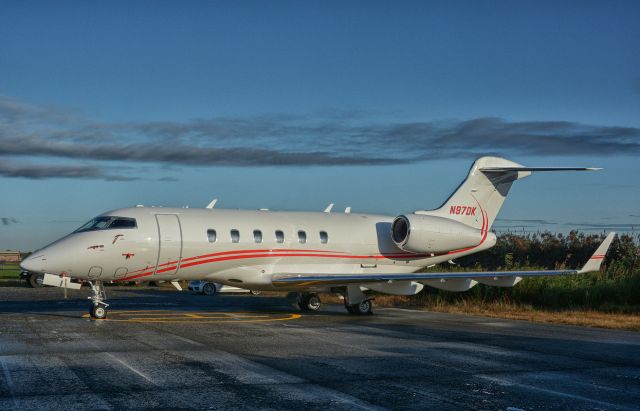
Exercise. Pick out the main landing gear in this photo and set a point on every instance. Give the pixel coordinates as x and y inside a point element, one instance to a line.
<point>362,308</point>
<point>356,302</point>
<point>308,301</point>
<point>99,306</point>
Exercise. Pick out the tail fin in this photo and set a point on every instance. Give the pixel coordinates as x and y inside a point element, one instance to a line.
<point>479,198</point>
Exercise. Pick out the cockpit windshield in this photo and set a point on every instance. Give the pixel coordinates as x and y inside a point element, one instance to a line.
<point>108,222</point>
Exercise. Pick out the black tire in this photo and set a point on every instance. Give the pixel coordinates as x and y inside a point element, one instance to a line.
<point>98,312</point>
<point>310,302</point>
<point>209,289</point>
<point>363,308</point>
<point>313,302</point>
<point>255,292</point>
<point>32,281</point>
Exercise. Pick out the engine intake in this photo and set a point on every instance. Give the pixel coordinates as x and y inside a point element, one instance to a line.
<point>430,234</point>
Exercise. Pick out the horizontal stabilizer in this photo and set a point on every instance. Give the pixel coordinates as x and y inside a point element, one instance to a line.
<point>505,169</point>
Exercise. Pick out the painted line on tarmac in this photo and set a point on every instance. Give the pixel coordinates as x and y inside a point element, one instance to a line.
<point>130,367</point>
<point>164,316</point>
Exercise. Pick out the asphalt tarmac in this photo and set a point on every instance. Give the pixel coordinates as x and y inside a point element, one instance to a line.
<point>164,349</point>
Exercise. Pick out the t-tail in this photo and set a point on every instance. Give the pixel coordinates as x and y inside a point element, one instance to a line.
<point>478,199</point>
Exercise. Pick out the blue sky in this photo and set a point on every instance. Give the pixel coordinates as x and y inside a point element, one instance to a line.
<point>381,106</point>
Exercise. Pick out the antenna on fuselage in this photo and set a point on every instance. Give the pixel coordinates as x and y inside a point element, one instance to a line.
<point>328,209</point>
<point>212,203</point>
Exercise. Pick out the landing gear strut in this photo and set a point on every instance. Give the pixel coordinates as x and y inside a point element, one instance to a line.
<point>99,306</point>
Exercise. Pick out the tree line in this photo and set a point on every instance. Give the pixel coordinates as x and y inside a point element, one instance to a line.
<point>615,288</point>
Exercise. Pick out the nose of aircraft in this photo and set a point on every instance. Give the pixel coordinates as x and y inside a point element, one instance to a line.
<point>34,263</point>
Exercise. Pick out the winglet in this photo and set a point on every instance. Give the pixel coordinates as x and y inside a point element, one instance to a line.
<point>328,209</point>
<point>596,259</point>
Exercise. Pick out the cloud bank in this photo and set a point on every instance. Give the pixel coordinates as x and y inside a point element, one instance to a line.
<point>337,138</point>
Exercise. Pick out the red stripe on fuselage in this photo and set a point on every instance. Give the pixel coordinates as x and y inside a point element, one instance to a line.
<point>280,250</point>
<point>261,255</point>
<point>232,252</point>
<point>270,253</point>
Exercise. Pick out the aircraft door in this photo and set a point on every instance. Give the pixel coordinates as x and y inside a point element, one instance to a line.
<point>170,243</point>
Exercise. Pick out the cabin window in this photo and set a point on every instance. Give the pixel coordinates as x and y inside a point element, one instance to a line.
<point>211,235</point>
<point>302,237</point>
<point>235,236</point>
<point>324,237</point>
<point>257,236</point>
<point>279,236</point>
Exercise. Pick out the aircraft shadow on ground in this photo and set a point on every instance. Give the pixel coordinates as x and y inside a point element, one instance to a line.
<point>151,300</point>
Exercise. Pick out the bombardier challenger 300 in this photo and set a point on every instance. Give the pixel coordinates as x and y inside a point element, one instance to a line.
<point>305,253</point>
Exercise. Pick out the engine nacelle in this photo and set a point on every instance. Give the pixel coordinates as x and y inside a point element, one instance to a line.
<point>418,233</point>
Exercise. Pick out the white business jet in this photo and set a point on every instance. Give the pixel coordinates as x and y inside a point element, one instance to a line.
<point>305,253</point>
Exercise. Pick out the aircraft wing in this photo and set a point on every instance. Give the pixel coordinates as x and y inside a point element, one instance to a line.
<point>304,280</point>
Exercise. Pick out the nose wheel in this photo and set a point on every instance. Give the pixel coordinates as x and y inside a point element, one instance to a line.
<point>99,306</point>
<point>99,312</point>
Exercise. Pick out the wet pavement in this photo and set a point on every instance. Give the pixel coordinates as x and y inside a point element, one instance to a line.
<point>165,349</point>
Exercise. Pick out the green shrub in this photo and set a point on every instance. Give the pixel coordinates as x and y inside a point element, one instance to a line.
<point>615,288</point>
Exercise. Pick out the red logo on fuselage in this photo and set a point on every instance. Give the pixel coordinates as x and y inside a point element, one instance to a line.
<point>462,210</point>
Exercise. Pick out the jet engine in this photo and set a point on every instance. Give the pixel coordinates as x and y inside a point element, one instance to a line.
<point>418,233</point>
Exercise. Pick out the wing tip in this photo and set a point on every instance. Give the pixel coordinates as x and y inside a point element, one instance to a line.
<point>596,259</point>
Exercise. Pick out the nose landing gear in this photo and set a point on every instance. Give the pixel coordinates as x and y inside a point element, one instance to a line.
<point>99,312</point>
<point>99,306</point>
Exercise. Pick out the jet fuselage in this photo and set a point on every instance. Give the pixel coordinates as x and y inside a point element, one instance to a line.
<point>235,247</point>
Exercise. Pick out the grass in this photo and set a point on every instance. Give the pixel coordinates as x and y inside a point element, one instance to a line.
<point>627,318</point>
<point>621,318</point>
<point>9,271</point>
